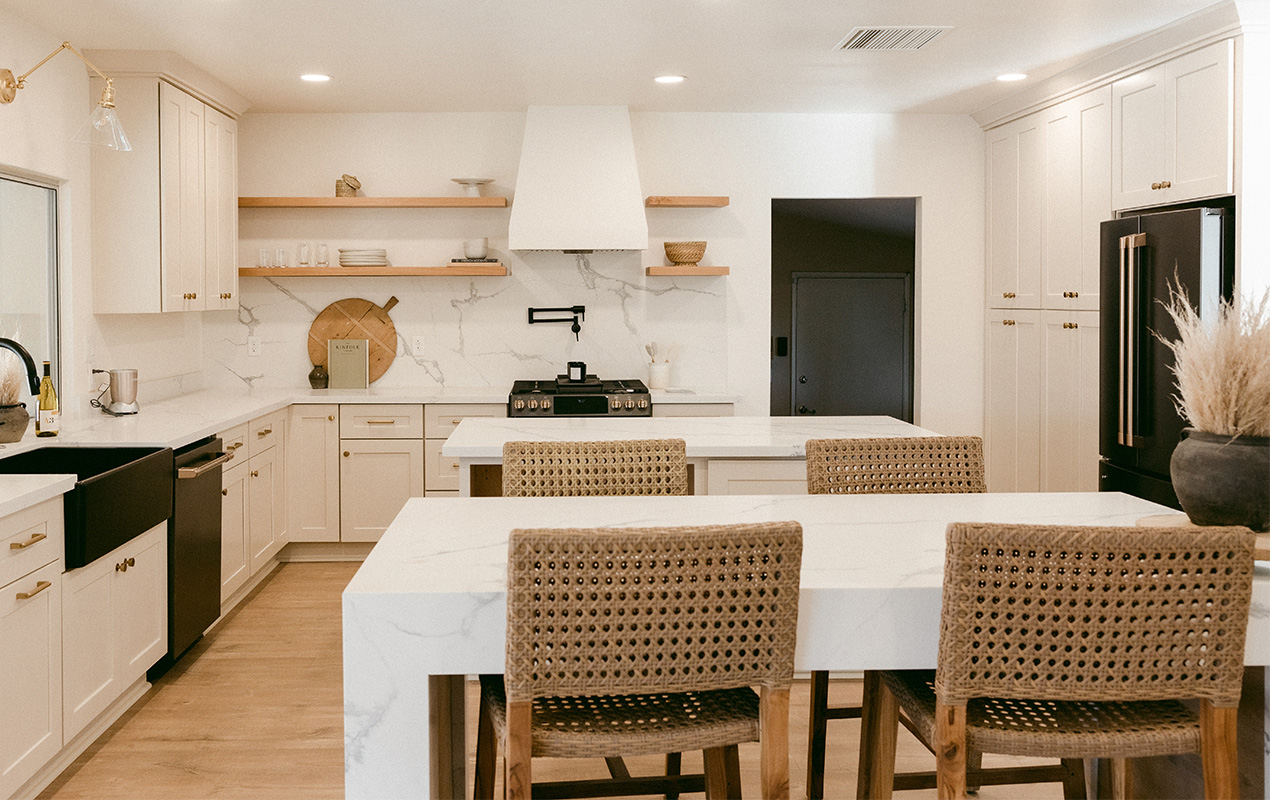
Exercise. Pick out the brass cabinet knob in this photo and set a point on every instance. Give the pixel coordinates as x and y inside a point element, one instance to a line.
<point>255,473</point>
<point>1071,325</point>
<point>1071,294</point>
<point>346,454</point>
<point>1007,322</point>
<point>330,417</point>
<point>1155,186</point>
<point>193,295</point>
<point>122,566</point>
<point>1008,295</point>
<point>1165,184</point>
<point>224,492</point>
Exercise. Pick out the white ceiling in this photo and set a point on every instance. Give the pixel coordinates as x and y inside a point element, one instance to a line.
<point>503,55</point>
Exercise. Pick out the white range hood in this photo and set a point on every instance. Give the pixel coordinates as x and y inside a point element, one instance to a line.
<point>578,186</point>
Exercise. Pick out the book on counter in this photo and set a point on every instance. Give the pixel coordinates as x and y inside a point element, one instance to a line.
<point>474,261</point>
<point>348,363</point>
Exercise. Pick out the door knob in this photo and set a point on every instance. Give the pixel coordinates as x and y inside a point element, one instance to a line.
<point>802,378</point>
<point>806,410</point>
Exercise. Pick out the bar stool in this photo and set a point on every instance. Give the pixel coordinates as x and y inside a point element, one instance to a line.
<point>1080,642</point>
<point>925,465</point>
<point>583,469</point>
<point>639,641</point>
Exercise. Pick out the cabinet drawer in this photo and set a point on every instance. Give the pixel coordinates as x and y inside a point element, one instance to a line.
<point>692,410</point>
<point>233,440</point>
<point>30,538</point>
<point>441,419</point>
<point>263,433</point>
<point>440,472</point>
<point>381,421</point>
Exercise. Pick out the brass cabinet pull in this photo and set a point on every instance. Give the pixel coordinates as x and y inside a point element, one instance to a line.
<point>381,422</point>
<point>35,537</point>
<point>1162,185</point>
<point>224,492</point>
<point>1007,322</point>
<point>456,421</point>
<point>454,466</point>
<point>234,446</point>
<point>255,473</point>
<point>122,566</point>
<point>1071,325</point>
<point>330,417</point>
<point>1008,295</point>
<point>39,587</point>
<point>1071,294</point>
<point>263,433</point>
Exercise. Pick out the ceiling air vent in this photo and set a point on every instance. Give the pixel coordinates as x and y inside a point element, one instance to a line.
<point>889,37</point>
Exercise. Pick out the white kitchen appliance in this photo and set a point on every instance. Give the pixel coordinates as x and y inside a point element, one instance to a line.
<point>123,392</point>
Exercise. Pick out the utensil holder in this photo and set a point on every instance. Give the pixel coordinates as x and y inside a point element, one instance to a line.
<point>659,375</point>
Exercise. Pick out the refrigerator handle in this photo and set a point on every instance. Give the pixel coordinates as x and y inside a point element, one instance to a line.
<point>1130,260</point>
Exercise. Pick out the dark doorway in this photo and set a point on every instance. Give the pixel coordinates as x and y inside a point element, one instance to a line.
<point>842,306</point>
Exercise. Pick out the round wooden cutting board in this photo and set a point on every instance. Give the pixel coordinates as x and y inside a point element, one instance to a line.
<point>355,318</point>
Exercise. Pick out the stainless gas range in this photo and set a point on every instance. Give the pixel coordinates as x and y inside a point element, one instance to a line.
<point>590,397</point>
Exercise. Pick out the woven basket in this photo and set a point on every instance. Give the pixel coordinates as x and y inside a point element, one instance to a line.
<point>342,189</point>
<point>685,253</point>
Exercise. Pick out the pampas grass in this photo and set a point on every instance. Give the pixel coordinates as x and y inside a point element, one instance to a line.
<point>1223,366</point>
<point>12,378</point>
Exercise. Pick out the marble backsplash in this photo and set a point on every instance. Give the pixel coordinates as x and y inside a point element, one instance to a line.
<point>475,330</point>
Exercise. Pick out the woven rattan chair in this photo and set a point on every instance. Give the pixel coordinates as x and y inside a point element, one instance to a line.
<point>582,469</point>
<point>1079,642</point>
<point>914,465</point>
<point>638,641</point>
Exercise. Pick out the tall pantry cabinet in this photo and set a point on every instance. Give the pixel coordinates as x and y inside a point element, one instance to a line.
<point>1048,188</point>
<point>165,214</point>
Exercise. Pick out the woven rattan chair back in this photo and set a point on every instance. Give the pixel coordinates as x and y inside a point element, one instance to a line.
<point>621,611</point>
<point>1090,613</point>
<point>908,465</point>
<point>582,469</point>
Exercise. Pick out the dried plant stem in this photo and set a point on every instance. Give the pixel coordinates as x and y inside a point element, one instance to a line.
<point>12,378</point>
<point>1222,366</point>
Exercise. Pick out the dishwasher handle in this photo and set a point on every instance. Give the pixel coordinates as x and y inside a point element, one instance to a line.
<point>205,466</point>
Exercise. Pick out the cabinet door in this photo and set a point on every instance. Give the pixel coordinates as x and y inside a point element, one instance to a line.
<point>751,476</point>
<point>1077,198</point>
<point>1012,401</point>
<point>313,473</point>
<point>1139,137</point>
<point>1015,201</point>
<point>141,604</point>
<point>1200,89</point>
<point>1069,401</point>
<point>377,477</point>
<point>262,531</point>
<point>234,556</point>
<point>181,192</point>
<point>90,664</point>
<point>31,663</point>
<point>442,471</point>
<point>220,142</point>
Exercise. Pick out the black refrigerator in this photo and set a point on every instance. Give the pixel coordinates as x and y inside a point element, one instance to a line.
<point>1141,256</point>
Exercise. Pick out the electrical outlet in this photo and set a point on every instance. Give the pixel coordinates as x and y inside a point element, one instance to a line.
<point>253,345</point>
<point>416,345</point>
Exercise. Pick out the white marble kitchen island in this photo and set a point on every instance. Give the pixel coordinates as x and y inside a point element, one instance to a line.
<point>769,451</point>
<point>429,604</point>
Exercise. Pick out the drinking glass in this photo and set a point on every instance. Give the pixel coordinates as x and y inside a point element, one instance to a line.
<point>302,260</point>
<point>323,257</point>
<point>280,260</point>
<point>262,258</point>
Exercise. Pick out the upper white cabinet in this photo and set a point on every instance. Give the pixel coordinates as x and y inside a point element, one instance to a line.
<point>1173,130</point>
<point>165,222</point>
<point>1048,188</point>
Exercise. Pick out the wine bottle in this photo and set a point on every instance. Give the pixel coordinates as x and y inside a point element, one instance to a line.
<point>49,420</point>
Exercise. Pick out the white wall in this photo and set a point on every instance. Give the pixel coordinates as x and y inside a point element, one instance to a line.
<point>35,141</point>
<point>475,331</point>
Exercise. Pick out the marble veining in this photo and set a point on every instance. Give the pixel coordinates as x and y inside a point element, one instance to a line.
<point>431,597</point>
<point>704,437</point>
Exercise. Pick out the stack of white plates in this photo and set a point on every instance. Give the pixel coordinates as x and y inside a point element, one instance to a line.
<point>363,258</point>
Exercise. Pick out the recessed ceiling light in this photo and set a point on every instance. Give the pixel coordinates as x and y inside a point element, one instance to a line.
<point>669,79</point>
<point>315,78</point>
<point>1012,76</point>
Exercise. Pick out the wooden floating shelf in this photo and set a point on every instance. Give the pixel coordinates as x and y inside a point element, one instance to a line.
<point>682,271</point>
<point>372,202</point>
<point>685,201</point>
<point>482,270</point>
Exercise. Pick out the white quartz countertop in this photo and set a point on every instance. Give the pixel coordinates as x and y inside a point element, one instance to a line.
<point>704,437</point>
<point>23,491</point>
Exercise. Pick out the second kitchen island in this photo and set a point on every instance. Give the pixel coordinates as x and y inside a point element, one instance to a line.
<point>726,455</point>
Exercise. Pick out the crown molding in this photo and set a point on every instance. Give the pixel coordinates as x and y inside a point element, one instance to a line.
<point>175,70</point>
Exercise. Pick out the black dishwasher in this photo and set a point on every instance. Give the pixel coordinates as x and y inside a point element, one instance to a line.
<point>194,536</point>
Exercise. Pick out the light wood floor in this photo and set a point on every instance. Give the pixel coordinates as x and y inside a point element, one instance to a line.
<point>255,711</point>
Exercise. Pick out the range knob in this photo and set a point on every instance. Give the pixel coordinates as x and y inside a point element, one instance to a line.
<point>533,403</point>
<point>643,404</point>
<point>616,404</point>
<point>546,403</point>
<point>630,403</point>
<point>518,404</point>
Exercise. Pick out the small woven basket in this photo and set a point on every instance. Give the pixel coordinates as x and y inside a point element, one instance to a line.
<point>685,253</point>
<point>347,186</point>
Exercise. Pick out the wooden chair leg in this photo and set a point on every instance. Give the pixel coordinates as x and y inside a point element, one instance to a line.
<point>774,744</point>
<point>732,769</point>
<point>519,750</point>
<point>716,773</point>
<point>950,751</point>
<point>1074,780</point>
<point>879,725</point>
<point>486,754</point>
<point>1218,729</point>
<point>817,730</point>
<point>674,766</point>
<point>1121,779</point>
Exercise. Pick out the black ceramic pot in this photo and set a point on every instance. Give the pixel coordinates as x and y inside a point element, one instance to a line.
<point>1223,481</point>
<point>13,422</point>
<point>318,377</point>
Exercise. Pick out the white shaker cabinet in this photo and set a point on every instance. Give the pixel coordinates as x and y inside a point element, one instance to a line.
<point>1015,191</point>
<point>114,625</point>
<point>235,556</point>
<point>313,470</point>
<point>377,477</point>
<point>266,492</point>
<point>1173,130</point>
<point>1012,400</point>
<point>165,214</point>
<point>1069,401</point>
<point>439,421</point>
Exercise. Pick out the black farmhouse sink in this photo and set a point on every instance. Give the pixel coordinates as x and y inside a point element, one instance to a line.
<point>121,493</point>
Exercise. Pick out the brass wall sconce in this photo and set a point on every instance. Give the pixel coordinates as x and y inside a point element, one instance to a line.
<point>102,126</point>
